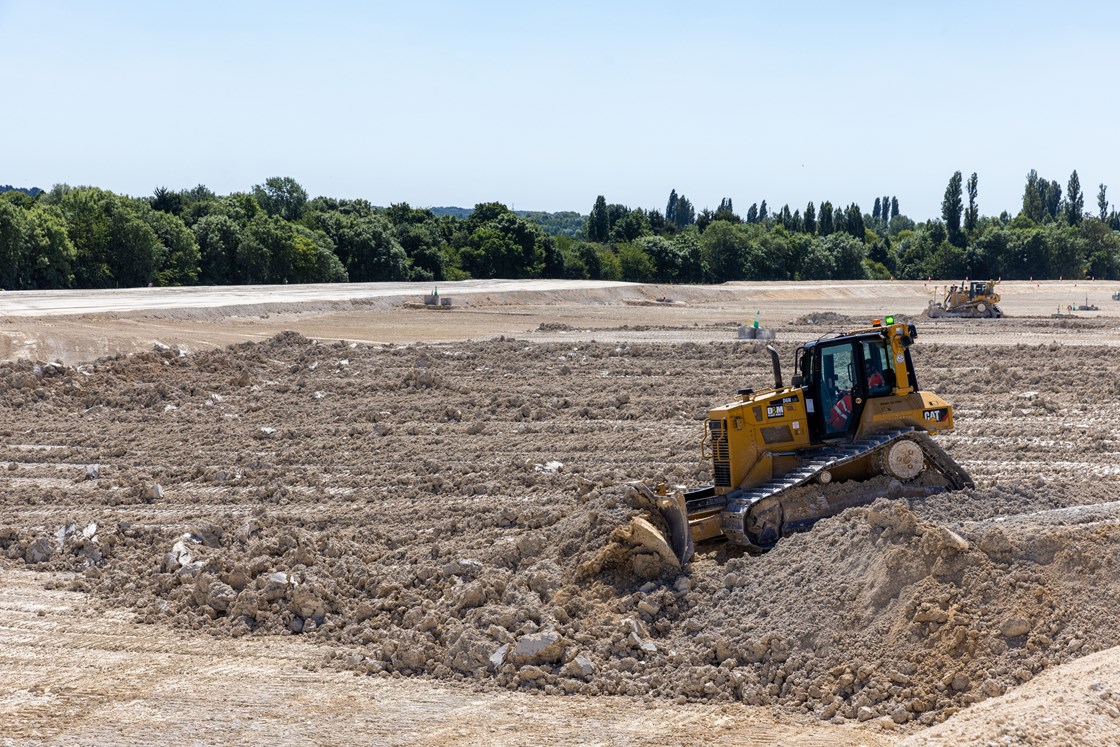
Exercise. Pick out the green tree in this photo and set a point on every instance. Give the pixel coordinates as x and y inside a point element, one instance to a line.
<point>177,258</point>
<point>724,249</point>
<point>786,219</point>
<point>483,213</point>
<point>635,264</point>
<point>819,264</point>
<point>667,259</point>
<point>242,207</point>
<point>282,196</point>
<point>607,260</point>
<point>988,252</point>
<point>1075,200</point>
<point>491,254</point>
<point>683,213</point>
<point>826,224</point>
<point>1052,198</point>
<point>848,254</point>
<point>267,252</point>
<point>14,270</point>
<point>167,201</point>
<point>598,223</point>
<point>1066,251</point>
<point>972,214</point>
<point>1102,248</point>
<point>218,237</point>
<point>671,208</point>
<point>810,218</point>
<point>629,225</point>
<point>726,212</point>
<point>575,268</point>
<point>87,212</point>
<point>366,246</point>
<point>951,208</point>
<point>948,261</point>
<point>853,222</point>
<point>49,248</point>
<point>313,258</point>
<point>136,249</point>
<point>770,256</point>
<point>912,249</point>
<point>423,244</point>
<point>704,219</point>
<point>1102,203</point>
<point>1034,205</point>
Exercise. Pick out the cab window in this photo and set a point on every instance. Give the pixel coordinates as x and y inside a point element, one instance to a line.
<point>877,367</point>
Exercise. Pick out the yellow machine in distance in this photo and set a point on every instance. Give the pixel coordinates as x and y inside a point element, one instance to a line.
<point>975,300</point>
<point>853,411</point>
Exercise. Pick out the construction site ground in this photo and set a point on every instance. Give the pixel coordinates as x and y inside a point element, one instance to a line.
<point>330,514</point>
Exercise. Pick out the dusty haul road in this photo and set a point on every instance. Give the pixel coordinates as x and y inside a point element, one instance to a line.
<point>299,516</point>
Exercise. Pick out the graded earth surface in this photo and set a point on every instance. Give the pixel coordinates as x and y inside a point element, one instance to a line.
<point>334,515</point>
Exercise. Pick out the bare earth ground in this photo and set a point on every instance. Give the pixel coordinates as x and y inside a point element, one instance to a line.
<point>376,523</point>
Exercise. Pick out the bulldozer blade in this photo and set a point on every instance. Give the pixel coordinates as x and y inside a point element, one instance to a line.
<point>673,510</point>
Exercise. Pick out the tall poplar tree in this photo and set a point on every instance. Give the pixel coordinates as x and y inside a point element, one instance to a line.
<point>1034,206</point>
<point>1102,203</point>
<point>853,222</point>
<point>671,208</point>
<point>1075,200</point>
<point>599,223</point>
<point>825,225</point>
<point>683,212</point>
<point>972,215</point>
<point>951,207</point>
<point>810,218</point>
<point>1052,198</point>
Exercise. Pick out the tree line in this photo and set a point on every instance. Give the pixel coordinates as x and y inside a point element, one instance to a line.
<point>86,237</point>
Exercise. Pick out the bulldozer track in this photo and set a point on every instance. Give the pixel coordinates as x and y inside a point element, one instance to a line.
<point>991,312</point>
<point>734,518</point>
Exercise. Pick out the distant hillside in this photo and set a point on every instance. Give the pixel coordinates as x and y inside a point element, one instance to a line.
<point>454,212</point>
<point>564,223</point>
<point>30,191</point>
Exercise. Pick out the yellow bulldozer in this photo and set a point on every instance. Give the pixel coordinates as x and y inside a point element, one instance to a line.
<point>852,411</point>
<point>975,300</point>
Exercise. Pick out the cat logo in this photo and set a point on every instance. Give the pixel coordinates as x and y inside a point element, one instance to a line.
<point>775,411</point>
<point>936,416</point>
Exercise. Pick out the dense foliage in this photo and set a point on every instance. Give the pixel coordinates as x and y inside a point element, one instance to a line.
<point>85,237</point>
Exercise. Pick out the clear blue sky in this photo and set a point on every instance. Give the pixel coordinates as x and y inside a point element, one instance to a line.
<point>545,106</point>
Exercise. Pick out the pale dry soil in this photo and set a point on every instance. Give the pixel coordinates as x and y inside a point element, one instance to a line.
<point>316,518</point>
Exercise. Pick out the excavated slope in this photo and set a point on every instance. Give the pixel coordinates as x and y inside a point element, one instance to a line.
<point>454,511</point>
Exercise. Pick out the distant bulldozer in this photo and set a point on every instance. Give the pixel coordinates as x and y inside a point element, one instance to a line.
<point>976,300</point>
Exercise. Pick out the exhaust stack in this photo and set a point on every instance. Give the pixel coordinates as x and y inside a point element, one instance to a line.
<point>777,367</point>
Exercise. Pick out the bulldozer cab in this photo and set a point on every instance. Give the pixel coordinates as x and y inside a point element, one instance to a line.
<point>840,374</point>
<point>979,288</point>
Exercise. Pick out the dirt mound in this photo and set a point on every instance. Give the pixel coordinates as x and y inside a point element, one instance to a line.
<point>827,320</point>
<point>460,511</point>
